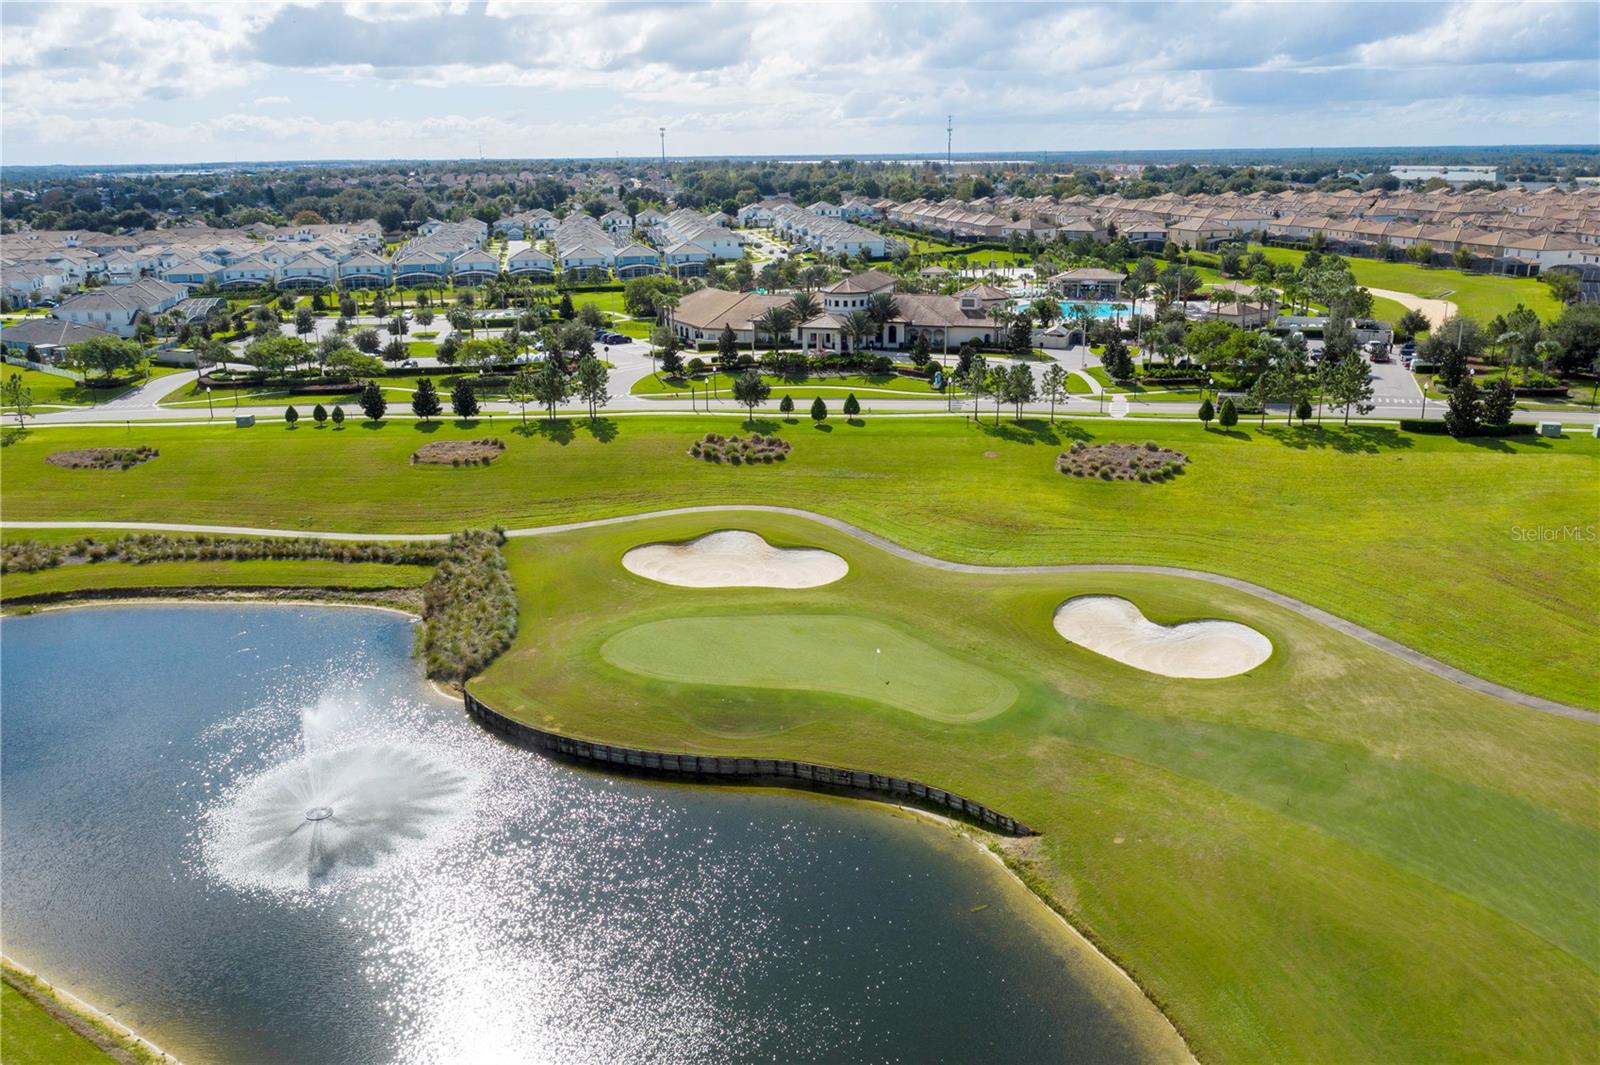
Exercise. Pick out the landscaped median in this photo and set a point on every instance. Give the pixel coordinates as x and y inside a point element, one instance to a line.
<point>1275,856</point>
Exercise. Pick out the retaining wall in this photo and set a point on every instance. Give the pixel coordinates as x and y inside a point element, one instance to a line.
<point>724,769</point>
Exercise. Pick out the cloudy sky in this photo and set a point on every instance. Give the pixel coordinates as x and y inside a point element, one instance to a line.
<point>166,82</point>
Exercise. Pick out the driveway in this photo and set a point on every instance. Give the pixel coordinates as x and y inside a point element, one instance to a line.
<point>1437,312</point>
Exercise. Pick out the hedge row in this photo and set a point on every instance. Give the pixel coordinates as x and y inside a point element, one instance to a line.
<point>1438,428</point>
<point>26,556</point>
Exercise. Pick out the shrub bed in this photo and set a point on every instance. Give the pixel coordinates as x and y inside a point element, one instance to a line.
<point>1122,462</point>
<point>102,458</point>
<point>737,451</point>
<point>459,452</point>
<point>469,607</point>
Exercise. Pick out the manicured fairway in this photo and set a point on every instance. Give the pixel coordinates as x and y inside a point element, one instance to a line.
<point>1335,857</point>
<point>851,656</point>
<point>1480,296</point>
<point>1422,538</point>
<point>30,1036</point>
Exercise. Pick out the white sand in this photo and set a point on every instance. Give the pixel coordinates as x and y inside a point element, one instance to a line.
<point>1112,626</point>
<point>733,558</point>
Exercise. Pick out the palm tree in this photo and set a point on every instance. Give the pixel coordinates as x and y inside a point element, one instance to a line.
<point>1047,311</point>
<point>803,306</point>
<point>883,308</point>
<point>775,323</point>
<point>858,327</point>
<point>999,316</point>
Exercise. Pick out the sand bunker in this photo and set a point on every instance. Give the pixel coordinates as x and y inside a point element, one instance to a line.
<point>1114,627</point>
<point>735,559</point>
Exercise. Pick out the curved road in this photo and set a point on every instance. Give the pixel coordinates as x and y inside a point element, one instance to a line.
<point>1317,614</point>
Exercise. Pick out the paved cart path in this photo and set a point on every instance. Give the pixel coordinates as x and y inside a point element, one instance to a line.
<point>1332,621</point>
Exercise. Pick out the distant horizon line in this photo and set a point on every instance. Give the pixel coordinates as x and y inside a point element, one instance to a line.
<point>1019,155</point>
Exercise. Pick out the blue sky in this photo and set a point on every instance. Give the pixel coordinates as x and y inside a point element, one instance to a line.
<point>132,82</point>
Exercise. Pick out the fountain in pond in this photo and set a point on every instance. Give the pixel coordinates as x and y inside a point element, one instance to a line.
<point>342,806</point>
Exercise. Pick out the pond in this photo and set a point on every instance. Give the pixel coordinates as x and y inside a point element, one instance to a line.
<point>253,834</point>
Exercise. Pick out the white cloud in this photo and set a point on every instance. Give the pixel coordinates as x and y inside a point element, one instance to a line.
<point>558,79</point>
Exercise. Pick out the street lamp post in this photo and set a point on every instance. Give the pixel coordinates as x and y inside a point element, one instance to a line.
<point>210,410</point>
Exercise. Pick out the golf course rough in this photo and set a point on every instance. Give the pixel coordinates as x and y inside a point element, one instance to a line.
<point>732,558</point>
<point>1205,649</point>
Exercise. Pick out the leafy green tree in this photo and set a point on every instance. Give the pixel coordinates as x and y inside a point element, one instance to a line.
<point>1464,413</point>
<point>338,417</point>
<point>372,402</point>
<point>290,417</point>
<point>304,321</point>
<point>1019,336</point>
<point>1302,410</point>
<point>1576,335</point>
<point>852,407</point>
<point>1207,412</point>
<point>1228,416</point>
<point>552,385</point>
<point>367,341</point>
<point>1499,401</point>
<point>994,384</point>
<point>786,406</point>
<point>1351,386</point>
<point>1019,387</point>
<point>464,401</point>
<point>1054,384</point>
<point>565,308</point>
<point>522,390</point>
<point>671,361</point>
<point>727,350</point>
<point>425,400</point>
<point>319,414</point>
<point>921,351</point>
<point>593,380</point>
<point>1409,324</point>
<point>105,355</point>
<point>1116,360</point>
<point>751,392</point>
<point>17,396</point>
<point>819,410</point>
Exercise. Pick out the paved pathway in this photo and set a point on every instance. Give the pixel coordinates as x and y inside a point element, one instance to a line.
<point>1437,312</point>
<point>1317,614</point>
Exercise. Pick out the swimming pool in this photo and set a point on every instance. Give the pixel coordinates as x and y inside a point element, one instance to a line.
<point>1096,310</point>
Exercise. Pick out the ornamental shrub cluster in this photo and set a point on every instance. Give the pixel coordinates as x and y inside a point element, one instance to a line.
<point>737,451</point>
<point>26,556</point>
<point>1122,462</point>
<point>469,607</point>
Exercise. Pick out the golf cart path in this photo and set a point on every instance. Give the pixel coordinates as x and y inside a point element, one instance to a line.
<point>1437,312</point>
<point>1317,614</point>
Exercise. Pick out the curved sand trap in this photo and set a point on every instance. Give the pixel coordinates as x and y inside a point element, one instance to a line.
<point>1112,626</point>
<point>733,558</point>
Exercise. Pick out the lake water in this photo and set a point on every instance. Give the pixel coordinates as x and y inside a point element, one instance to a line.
<point>455,898</point>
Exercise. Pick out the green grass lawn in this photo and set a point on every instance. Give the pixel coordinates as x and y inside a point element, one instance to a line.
<point>1419,537</point>
<point>51,390</point>
<point>876,383</point>
<point>30,1036</point>
<point>1480,296</point>
<point>1334,857</point>
<point>308,573</point>
<point>852,656</point>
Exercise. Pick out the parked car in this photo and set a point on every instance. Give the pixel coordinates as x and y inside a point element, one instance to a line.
<point>615,338</point>
<point>1380,356</point>
<point>409,364</point>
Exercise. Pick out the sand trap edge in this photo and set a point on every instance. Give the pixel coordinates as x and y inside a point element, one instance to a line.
<point>1200,649</point>
<point>734,558</point>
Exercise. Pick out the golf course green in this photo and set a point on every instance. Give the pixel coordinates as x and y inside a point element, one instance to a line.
<point>855,657</point>
<point>1334,857</point>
